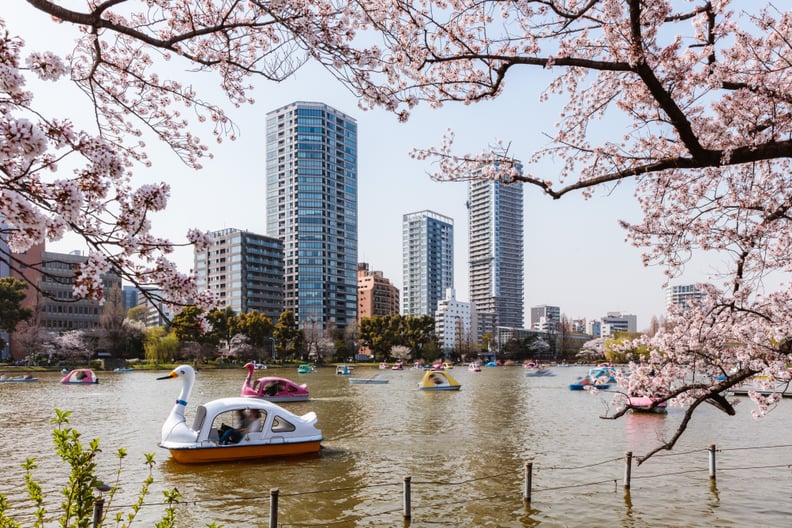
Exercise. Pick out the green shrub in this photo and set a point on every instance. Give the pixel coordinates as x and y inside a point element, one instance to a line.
<point>80,491</point>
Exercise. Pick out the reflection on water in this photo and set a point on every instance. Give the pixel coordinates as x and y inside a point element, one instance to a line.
<point>465,452</point>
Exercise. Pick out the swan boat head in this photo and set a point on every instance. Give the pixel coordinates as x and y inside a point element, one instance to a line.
<point>251,368</point>
<point>175,428</point>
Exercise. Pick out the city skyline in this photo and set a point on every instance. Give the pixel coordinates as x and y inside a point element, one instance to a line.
<point>575,254</point>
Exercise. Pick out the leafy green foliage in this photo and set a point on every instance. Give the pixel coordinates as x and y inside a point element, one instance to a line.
<point>256,326</point>
<point>381,333</point>
<point>79,493</point>
<point>288,336</point>
<point>12,293</point>
<point>187,326</point>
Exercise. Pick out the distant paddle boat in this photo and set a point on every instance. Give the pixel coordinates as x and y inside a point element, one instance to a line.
<point>80,377</point>
<point>437,365</point>
<point>23,378</point>
<point>369,381</point>
<point>305,368</point>
<point>646,404</point>
<point>398,366</point>
<point>599,378</point>
<point>125,369</point>
<point>438,380</point>
<point>344,370</point>
<point>536,372</point>
<point>272,388</point>
<point>263,429</point>
<point>474,367</point>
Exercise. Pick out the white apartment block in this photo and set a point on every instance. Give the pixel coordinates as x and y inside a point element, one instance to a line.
<point>544,317</point>
<point>455,324</point>
<point>618,322</point>
<point>683,295</point>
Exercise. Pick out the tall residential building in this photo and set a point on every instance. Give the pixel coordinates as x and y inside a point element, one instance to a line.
<point>683,295</point>
<point>312,184</point>
<point>455,325</point>
<point>545,317</point>
<point>376,295</point>
<point>26,267</point>
<point>61,310</point>
<point>495,212</point>
<point>244,270</point>
<point>427,261</point>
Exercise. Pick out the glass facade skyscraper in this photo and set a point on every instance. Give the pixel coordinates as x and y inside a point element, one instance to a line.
<point>312,207</point>
<point>496,241</point>
<point>427,261</point>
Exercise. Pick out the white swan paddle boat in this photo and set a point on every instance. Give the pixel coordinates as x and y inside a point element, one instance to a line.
<point>276,432</point>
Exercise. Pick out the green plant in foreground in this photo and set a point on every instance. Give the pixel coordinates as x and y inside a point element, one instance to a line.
<point>77,506</point>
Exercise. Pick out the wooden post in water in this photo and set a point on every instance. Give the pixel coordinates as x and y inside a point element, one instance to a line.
<point>627,469</point>
<point>407,514</point>
<point>711,449</point>
<point>528,476</point>
<point>98,511</point>
<point>273,516</point>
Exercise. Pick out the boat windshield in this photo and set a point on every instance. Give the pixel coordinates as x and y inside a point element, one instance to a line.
<point>200,416</point>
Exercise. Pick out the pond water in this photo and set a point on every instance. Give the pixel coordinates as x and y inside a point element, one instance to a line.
<point>465,452</point>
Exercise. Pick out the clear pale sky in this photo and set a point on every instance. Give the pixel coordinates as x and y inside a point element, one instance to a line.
<point>575,254</point>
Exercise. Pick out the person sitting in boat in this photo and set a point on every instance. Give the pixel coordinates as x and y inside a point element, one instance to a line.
<point>271,388</point>
<point>254,422</point>
<point>233,435</point>
<point>249,420</point>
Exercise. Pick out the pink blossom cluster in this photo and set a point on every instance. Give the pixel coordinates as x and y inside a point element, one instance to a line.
<point>95,201</point>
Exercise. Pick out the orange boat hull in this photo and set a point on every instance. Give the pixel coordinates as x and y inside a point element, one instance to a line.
<point>199,455</point>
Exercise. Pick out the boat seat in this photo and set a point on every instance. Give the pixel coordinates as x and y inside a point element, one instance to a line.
<point>214,436</point>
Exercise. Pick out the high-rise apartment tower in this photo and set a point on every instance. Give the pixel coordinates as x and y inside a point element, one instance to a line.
<point>495,211</point>
<point>312,207</point>
<point>244,270</point>
<point>427,261</point>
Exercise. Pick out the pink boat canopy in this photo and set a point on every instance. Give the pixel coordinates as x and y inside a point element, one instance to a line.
<point>80,376</point>
<point>272,388</point>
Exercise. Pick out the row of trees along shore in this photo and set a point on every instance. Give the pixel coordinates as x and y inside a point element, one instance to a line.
<point>252,336</point>
<point>194,335</point>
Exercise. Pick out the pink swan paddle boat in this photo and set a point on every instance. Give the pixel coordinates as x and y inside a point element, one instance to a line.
<point>80,376</point>
<point>272,388</point>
